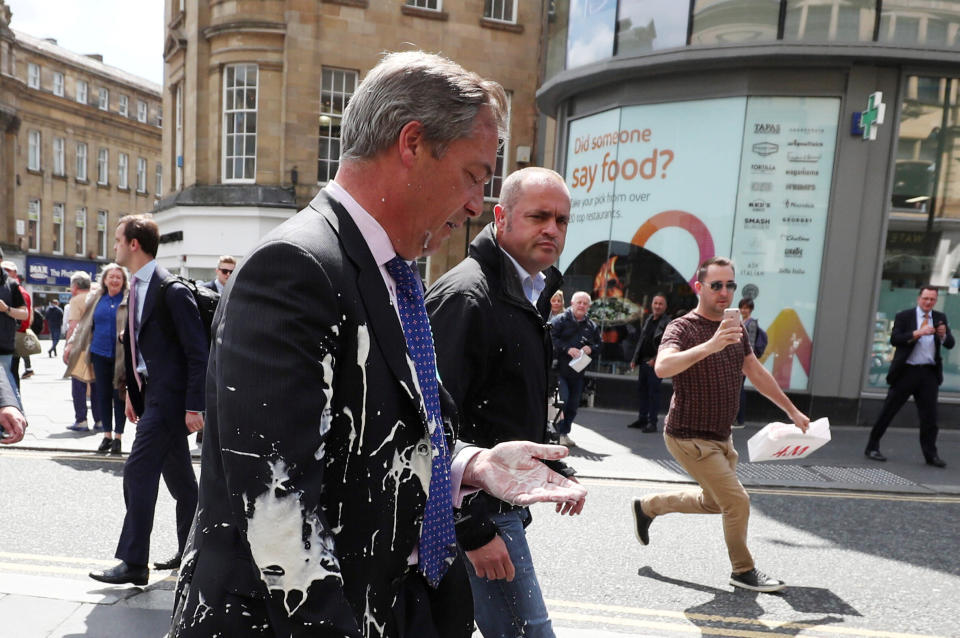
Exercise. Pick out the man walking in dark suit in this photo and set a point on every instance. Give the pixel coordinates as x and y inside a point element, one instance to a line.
<point>648,383</point>
<point>165,350</point>
<point>916,370</point>
<point>327,492</point>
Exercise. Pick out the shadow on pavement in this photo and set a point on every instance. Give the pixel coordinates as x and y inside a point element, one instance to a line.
<point>92,464</point>
<point>583,453</point>
<point>740,610</point>
<point>109,621</point>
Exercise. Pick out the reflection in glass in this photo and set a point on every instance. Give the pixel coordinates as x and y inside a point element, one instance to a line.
<point>590,31</point>
<point>908,22</point>
<point>830,20</point>
<point>731,21</point>
<point>923,245</point>
<point>645,25</point>
<point>557,19</point>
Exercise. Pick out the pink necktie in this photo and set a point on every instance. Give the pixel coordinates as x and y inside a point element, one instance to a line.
<point>131,330</point>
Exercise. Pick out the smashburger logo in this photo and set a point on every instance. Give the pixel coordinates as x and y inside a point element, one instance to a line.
<point>756,222</point>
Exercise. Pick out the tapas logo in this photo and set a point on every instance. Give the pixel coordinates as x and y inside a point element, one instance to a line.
<point>793,253</point>
<point>765,148</point>
<point>801,187</point>
<point>796,220</point>
<point>761,223</point>
<point>803,158</point>
<point>763,169</point>
<point>761,186</point>
<point>761,128</point>
<point>805,143</point>
<point>792,203</point>
<point>802,172</point>
<point>759,204</point>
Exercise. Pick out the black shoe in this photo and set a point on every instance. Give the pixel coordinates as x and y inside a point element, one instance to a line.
<point>650,428</point>
<point>172,563</point>
<point>756,580</point>
<point>105,445</point>
<point>637,424</point>
<point>123,573</point>
<point>936,461</point>
<point>874,455</point>
<point>641,523</point>
<point>116,448</point>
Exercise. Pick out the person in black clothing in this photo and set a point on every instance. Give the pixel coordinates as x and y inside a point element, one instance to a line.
<point>643,359</point>
<point>54,317</point>
<point>573,334</point>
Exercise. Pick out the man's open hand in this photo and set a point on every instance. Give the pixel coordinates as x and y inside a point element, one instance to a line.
<point>512,472</point>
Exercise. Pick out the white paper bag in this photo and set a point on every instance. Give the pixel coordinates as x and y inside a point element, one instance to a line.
<point>782,441</point>
<point>580,362</point>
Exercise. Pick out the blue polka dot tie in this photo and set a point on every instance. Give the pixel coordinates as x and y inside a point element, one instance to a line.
<point>438,543</point>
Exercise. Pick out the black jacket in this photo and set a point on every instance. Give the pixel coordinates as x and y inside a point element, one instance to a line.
<point>493,354</point>
<point>570,333</point>
<point>902,337</point>
<point>10,294</point>
<point>655,337</point>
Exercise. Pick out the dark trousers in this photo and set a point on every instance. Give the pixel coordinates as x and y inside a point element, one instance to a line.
<point>105,395</point>
<point>571,389</point>
<point>920,382</point>
<point>55,338</point>
<point>79,391</point>
<point>648,387</point>
<point>160,449</point>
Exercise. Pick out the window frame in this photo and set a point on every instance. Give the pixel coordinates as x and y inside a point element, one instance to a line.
<point>103,166</point>
<point>502,4</point>
<point>334,71</point>
<point>503,157</point>
<point>226,138</point>
<point>81,161</point>
<point>58,83</point>
<point>33,225</point>
<point>123,105</point>
<point>158,177</point>
<point>83,91</point>
<point>123,170</point>
<point>57,248</point>
<point>421,4</point>
<point>103,98</point>
<point>141,175</point>
<point>33,75</point>
<point>80,231</point>
<point>60,156</point>
<point>34,150</point>
<point>103,221</point>
<point>141,111</point>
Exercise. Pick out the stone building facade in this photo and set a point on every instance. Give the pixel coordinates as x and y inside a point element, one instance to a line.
<point>80,147</point>
<point>254,91</point>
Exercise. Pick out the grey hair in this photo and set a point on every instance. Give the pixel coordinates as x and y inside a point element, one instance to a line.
<point>515,182</point>
<point>417,86</point>
<point>81,280</point>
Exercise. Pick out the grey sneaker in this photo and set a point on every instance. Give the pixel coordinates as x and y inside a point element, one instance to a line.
<point>756,580</point>
<point>641,523</point>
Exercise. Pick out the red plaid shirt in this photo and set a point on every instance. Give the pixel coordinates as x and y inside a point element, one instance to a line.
<point>706,396</point>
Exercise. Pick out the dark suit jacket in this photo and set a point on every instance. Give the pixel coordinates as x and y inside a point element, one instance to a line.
<point>656,336</point>
<point>174,347</point>
<point>902,337</point>
<point>212,285</point>
<point>316,452</point>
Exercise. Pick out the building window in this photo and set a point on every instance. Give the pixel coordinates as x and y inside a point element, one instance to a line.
<point>734,21</point>
<point>102,234</point>
<point>336,87</point>
<point>141,111</point>
<point>491,189</point>
<point>503,10</point>
<point>82,161</point>
<point>103,165</point>
<point>434,5</point>
<point>178,139</point>
<point>33,150</point>
<point>240,123</point>
<point>158,186</point>
<point>648,25</point>
<point>103,101</point>
<point>141,175</point>
<point>58,84</point>
<point>847,21</point>
<point>33,225</point>
<point>59,153</point>
<point>81,91</point>
<point>122,160</point>
<point>80,238</point>
<point>122,107</point>
<point>58,229</point>
<point>33,75</point>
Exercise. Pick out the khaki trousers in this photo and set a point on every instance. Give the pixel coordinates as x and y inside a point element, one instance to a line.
<point>712,464</point>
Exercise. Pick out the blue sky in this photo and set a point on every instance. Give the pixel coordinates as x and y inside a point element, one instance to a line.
<point>128,34</point>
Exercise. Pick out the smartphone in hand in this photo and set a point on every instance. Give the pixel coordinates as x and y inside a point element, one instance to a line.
<point>731,314</point>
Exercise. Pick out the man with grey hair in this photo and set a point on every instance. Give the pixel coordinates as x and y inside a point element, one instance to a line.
<point>489,318</point>
<point>574,334</point>
<point>79,289</point>
<point>326,500</point>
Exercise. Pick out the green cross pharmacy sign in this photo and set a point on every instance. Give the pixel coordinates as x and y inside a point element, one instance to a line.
<point>867,122</point>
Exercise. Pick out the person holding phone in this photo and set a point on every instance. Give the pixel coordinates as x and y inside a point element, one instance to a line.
<point>706,351</point>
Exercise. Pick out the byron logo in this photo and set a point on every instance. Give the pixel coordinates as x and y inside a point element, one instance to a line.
<point>765,148</point>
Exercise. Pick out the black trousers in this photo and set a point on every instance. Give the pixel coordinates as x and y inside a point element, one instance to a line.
<point>921,383</point>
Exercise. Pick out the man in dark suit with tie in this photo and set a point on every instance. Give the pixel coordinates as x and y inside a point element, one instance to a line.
<point>165,350</point>
<point>916,370</point>
<point>326,493</point>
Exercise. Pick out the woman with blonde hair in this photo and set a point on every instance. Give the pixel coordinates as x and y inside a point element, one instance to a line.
<point>94,343</point>
<point>556,304</point>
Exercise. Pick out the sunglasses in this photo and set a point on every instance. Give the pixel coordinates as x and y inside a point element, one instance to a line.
<point>225,271</point>
<point>716,286</point>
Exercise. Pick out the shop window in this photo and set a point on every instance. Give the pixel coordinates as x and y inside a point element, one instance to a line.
<point>648,25</point>
<point>336,89</point>
<point>830,20</point>
<point>922,245</point>
<point>734,21</point>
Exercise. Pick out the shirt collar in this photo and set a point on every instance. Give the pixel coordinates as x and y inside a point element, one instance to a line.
<point>538,281</point>
<point>373,233</point>
<point>146,271</point>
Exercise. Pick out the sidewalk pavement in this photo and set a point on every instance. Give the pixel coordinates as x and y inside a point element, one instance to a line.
<point>37,606</point>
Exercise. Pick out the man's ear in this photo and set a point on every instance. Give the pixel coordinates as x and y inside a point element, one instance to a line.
<point>411,143</point>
